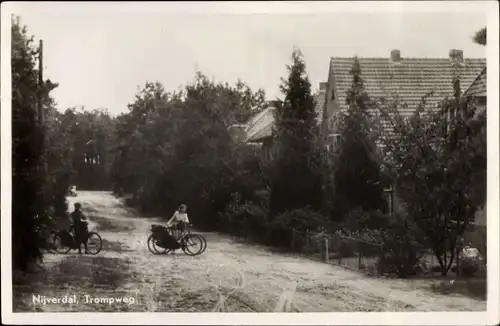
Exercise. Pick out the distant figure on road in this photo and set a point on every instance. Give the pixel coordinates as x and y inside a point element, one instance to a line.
<point>72,191</point>
<point>79,227</point>
<point>179,219</point>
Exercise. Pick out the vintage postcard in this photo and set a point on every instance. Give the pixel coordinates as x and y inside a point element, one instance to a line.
<point>250,163</point>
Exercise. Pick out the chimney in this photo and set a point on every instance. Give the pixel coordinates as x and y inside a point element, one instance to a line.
<point>323,86</point>
<point>396,56</point>
<point>456,57</point>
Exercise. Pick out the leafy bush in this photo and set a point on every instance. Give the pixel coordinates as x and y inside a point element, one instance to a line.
<point>469,268</point>
<point>243,218</point>
<point>401,257</point>
<point>471,261</point>
<point>400,242</point>
<point>402,250</point>
<point>347,247</point>
<point>300,219</point>
<point>366,222</point>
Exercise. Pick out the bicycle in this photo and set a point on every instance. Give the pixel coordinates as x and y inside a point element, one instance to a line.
<point>49,245</point>
<point>64,241</point>
<point>183,236</point>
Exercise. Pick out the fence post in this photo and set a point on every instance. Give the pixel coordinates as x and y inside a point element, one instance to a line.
<point>458,261</point>
<point>339,247</point>
<point>359,255</point>
<point>327,255</point>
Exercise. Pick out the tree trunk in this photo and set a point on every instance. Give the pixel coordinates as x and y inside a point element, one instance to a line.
<point>442,264</point>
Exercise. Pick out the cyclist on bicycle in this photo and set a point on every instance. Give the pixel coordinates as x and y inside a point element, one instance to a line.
<point>80,227</point>
<point>180,219</point>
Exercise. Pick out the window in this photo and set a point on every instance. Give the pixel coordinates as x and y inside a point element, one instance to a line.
<point>334,141</point>
<point>390,200</point>
<point>337,140</point>
<point>333,95</point>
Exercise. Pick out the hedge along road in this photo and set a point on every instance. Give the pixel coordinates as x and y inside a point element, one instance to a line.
<point>249,277</point>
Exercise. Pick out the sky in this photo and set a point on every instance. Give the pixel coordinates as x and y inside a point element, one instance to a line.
<point>101,57</point>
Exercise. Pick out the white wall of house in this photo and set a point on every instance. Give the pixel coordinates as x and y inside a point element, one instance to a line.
<point>481,217</point>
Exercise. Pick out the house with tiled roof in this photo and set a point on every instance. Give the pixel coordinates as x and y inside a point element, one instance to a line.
<point>407,79</point>
<point>259,129</point>
<point>477,90</point>
<point>261,125</point>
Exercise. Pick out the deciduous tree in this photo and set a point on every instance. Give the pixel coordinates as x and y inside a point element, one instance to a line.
<point>437,160</point>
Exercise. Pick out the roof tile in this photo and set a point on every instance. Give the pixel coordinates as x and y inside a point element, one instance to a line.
<point>261,126</point>
<point>478,86</point>
<point>410,80</point>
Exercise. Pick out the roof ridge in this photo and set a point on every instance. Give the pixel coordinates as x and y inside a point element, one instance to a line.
<point>405,58</point>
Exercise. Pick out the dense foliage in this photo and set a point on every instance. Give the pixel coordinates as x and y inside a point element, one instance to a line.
<point>28,175</point>
<point>480,36</point>
<point>296,180</point>
<point>357,177</point>
<point>175,148</point>
<point>437,161</point>
<point>79,151</point>
<point>48,156</point>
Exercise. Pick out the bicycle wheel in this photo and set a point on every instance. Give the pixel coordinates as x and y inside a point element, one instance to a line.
<point>50,248</point>
<point>204,243</point>
<point>190,242</point>
<point>49,243</point>
<point>60,245</point>
<point>151,247</point>
<point>94,243</point>
<point>154,247</point>
<point>202,238</point>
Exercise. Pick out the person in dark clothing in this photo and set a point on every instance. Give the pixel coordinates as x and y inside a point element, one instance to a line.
<point>79,227</point>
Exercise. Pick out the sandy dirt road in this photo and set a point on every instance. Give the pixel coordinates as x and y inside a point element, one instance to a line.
<point>249,277</point>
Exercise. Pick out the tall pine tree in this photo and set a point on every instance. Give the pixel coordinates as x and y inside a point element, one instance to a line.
<point>357,173</point>
<point>296,181</point>
<point>29,180</point>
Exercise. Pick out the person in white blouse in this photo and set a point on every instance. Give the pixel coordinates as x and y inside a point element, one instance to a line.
<point>180,218</point>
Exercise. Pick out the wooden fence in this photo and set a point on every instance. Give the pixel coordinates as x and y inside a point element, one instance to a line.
<point>361,255</point>
<point>339,249</point>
